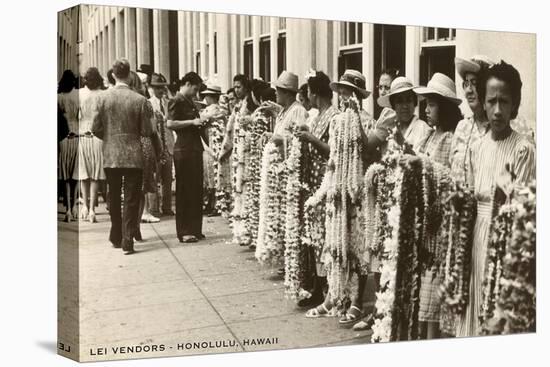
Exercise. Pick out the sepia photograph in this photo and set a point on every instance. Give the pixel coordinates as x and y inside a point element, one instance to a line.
<point>241,182</point>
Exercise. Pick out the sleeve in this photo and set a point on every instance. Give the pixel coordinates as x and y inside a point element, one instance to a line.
<point>62,125</point>
<point>98,121</point>
<point>172,109</point>
<point>456,142</point>
<point>146,118</point>
<point>524,163</point>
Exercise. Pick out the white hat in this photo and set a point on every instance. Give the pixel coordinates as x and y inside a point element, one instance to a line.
<point>441,85</point>
<point>353,79</point>
<point>212,89</point>
<point>473,65</point>
<point>288,81</point>
<point>400,84</point>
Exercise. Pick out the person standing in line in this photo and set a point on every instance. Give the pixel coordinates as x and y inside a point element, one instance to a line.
<point>501,160</point>
<point>183,118</point>
<point>443,115</point>
<point>68,103</point>
<point>166,161</point>
<point>387,76</point>
<point>123,117</point>
<point>90,149</point>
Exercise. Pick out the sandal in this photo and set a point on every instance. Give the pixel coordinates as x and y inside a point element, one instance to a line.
<point>320,311</point>
<point>365,324</point>
<point>351,318</point>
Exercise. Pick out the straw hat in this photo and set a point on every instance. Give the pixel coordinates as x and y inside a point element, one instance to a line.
<point>473,65</point>
<point>441,85</point>
<point>353,79</point>
<point>212,89</point>
<point>400,84</point>
<point>288,81</point>
<point>158,80</point>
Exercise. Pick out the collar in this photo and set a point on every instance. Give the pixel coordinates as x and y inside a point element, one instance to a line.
<point>121,85</point>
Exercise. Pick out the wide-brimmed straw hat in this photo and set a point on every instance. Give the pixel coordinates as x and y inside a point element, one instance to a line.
<point>353,79</point>
<point>441,85</point>
<point>472,65</point>
<point>158,80</point>
<point>400,84</point>
<point>212,89</point>
<point>288,81</point>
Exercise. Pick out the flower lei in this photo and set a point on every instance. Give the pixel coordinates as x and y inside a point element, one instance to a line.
<point>253,174</point>
<point>270,241</point>
<point>515,310</point>
<point>455,240</point>
<point>343,187</point>
<point>216,132</point>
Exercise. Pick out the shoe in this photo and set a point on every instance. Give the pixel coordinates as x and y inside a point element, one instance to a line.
<point>91,217</point>
<point>137,236</point>
<point>200,236</point>
<point>189,239</point>
<point>168,213</point>
<point>117,245</point>
<point>149,219</point>
<point>156,214</point>
<point>129,251</point>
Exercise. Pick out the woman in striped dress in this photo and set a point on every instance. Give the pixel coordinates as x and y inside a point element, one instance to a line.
<point>90,149</point>
<point>67,101</point>
<point>443,115</point>
<point>502,152</point>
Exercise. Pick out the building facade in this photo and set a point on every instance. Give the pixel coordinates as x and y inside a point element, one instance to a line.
<point>218,46</point>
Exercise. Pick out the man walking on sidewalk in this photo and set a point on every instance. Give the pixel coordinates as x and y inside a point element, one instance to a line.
<point>122,117</point>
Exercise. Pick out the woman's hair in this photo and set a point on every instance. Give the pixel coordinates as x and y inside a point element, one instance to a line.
<point>93,79</point>
<point>230,90</point>
<point>449,113</point>
<point>393,97</point>
<point>243,79</point>
<point>506,73</point>
<point>268,94</point>
<point>320,85</point>
<point>134,82</point>
<point>302,91</point>
<point>67,82</point>
<point>191,78</point>
<point>391,72</point>
<point>257,87</point>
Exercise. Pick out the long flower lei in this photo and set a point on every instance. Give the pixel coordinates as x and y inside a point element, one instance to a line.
<point>344,174</point>
<point>455,239</point>
<point>270,241</point>
<point>515,310</point>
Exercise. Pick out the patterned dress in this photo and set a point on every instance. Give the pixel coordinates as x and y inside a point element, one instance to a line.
<point>68,147</point>
<point>466,134</point>
<point>90,149</point>
<point>437,146</point>
<point>486,161</point>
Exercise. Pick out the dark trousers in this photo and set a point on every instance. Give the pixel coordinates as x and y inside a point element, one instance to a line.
<point>124,224</point>
<point>189,178</point>
<point>164,177</point>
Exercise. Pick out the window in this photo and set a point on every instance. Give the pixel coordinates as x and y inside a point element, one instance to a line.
<point>350,59</point>
<point>248,62</point>
<point>352,33</point>
<point>265,59</point>
<point>281,53</point>
<point>432,34</point>
<point>435,60</point>
<point>215,52</point>
<point>198,62</point>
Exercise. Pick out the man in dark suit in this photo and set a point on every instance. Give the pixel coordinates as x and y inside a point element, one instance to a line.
<point>123,116</point>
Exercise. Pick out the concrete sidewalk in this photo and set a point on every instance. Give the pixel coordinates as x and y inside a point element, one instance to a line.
<point>181,299</point>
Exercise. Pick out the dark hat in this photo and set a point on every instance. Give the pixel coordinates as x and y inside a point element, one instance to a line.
<point>145,69</point>
<point>158,80</point>
<point>353,79</point>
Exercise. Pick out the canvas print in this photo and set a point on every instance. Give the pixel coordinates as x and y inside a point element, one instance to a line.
<point>231,183</point>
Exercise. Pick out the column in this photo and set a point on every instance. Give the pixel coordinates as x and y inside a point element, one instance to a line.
<point>161,43</point>
<point>368,65</point>
<point>112,41</point>
<point>412,54</point>
<point>143,41</point>
<point>274,46</point>
<point>202,44</point>
<point>256,25</point>
<point>120,36</point>
<point>130,36</point>
<point>106,59</point>
<point>300,49</point>
<point>188,43</point>
<point>223,28</point>
<point>336,29</point>
<point>235,49</point>
<point>182,44</point>
<point>210,36</point>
